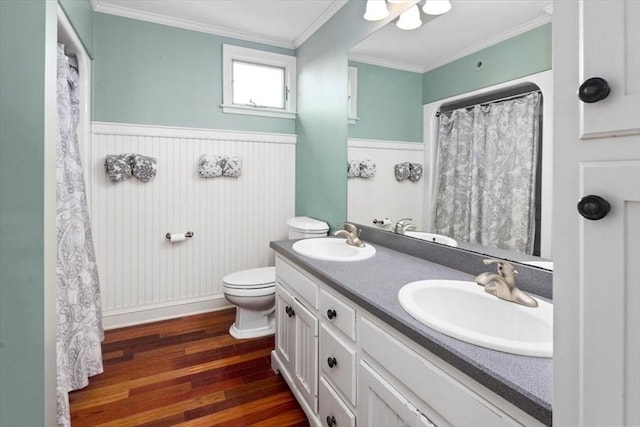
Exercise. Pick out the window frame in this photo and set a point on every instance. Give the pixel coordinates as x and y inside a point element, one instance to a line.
<point>232,53</point>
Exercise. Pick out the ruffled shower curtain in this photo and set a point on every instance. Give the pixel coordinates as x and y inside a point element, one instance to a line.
<point>485,189</point>
<point>79,315</point>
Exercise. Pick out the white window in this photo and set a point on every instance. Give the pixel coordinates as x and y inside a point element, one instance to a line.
<point>353,95</point>
<point>258,83</point>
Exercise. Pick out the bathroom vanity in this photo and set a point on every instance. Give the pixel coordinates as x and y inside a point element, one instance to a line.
<point>352,355</point>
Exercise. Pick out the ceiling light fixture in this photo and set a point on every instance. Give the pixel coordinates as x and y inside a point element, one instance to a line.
<point>376,10</point>
<point>409,19</point>
<point>436,7</point>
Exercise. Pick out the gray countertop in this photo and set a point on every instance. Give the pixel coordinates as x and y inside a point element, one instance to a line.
<point>374,283</point>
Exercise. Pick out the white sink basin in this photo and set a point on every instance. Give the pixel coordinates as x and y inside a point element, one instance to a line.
<point>463,310</point>
<point>329,249</point>
<point>431,237</point>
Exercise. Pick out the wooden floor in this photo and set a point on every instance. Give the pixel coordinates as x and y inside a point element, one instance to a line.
<point>186,372</point>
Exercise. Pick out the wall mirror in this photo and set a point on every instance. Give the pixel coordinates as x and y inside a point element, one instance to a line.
<point>396,123</point>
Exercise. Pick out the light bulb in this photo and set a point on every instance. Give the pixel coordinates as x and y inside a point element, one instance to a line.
<point>436,7</point>
<point>376,10</point>
<point>409,19</point>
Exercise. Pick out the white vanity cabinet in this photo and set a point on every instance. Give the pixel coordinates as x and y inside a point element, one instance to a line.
<point>297,344</point>
<point>437,392</point>
<point>347,368</point>
<point>296,353</point>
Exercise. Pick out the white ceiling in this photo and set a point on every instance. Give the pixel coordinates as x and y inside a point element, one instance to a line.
<point>284,23</point>
<point>469,26</point>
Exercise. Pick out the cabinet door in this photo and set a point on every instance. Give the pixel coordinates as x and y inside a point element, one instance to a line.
<point>306,353</point>
<point>597,276</point>
<point>379,404</point>
<point>285,327</point>
<point>610,49</point>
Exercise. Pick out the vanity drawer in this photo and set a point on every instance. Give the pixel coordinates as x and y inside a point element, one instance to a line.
<point>338,313</point>
<point>338,363</point>
<point>333,411</point>
<point>296,281</point>
<point>442,392</point>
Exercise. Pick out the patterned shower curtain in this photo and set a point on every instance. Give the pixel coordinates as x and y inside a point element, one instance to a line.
<point>487,159</point>
<point>79,315</point>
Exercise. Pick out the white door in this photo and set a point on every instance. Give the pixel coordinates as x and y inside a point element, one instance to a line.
<point>379,404</point>
<point>285,327</point>
<point>597,261</point>
<point>305,361</point>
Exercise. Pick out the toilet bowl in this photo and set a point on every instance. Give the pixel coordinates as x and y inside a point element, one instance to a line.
<point>253,291</point>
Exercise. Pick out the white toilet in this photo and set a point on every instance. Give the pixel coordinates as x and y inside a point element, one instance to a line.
<point>254,291</point>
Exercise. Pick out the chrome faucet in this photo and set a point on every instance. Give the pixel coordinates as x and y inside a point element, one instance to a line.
<point>404,225</point>
<point>503,284</point>
<point>352,233</point>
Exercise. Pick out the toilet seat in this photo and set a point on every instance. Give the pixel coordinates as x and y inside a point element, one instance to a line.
<point>252,279</point>
<point>250,292</point>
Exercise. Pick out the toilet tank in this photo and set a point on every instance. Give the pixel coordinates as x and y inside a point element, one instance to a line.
<point>302,227</point>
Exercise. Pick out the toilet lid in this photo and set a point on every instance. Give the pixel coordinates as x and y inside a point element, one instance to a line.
<point>255,277</point>
<point>308,225</point>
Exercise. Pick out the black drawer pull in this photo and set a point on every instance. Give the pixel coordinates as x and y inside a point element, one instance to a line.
<point>332,362</point>
<point>331,420</point>
<point>331,314</point>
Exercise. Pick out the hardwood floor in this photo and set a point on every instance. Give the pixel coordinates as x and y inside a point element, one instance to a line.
<point>186,372</point>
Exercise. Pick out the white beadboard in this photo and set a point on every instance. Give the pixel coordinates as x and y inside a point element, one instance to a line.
<point>383,196</point>
<point>143,276</point>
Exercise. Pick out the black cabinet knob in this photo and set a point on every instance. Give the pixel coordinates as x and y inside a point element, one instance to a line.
<point>331,314</point>
<point>331,421</point>
<point>332,362</point>
<point>593,90</point>
<point>289,311</point>
<point>593,207</point>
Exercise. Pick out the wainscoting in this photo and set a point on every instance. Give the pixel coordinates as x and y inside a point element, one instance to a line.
<point>383,196</point>
<point>145,277</point>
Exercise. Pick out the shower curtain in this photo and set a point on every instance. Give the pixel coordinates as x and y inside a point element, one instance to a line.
<point>485,189</point>
<point>79,316</point>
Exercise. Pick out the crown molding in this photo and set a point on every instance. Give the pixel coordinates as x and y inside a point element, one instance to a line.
<point>492,41</point>
<point>387,64</point>
<point>334,7</point>
<point>111,9</point>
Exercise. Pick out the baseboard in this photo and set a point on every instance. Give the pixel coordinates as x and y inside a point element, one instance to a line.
<point>154,313</point>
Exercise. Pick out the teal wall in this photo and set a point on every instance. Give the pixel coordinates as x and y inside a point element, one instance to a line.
<point>152,74</point>
<point>80,14</point>
<point>23,45</point>
<point>519,56</point>
<point>321,126</point>
<point>389,104</point>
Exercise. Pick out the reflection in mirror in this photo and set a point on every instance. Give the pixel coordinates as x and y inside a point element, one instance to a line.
<point>405,78</point>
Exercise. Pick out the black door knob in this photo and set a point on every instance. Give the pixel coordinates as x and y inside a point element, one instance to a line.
<point>331,314</point>
<point>593,207</point>
<point>331,361</point>
<point>331,421</point>
<point>593,90</point>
